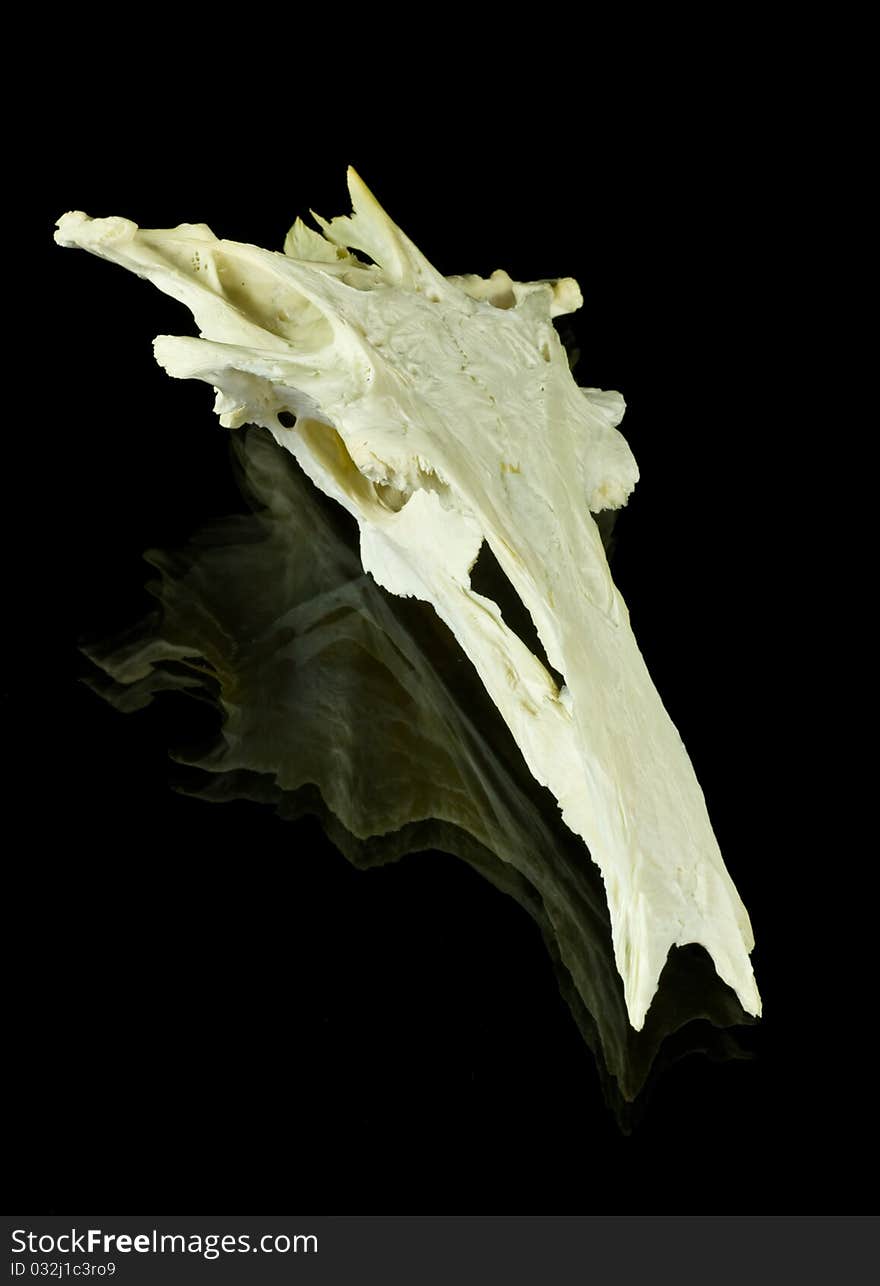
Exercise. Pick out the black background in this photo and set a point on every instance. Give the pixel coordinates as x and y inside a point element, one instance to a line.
<point>211,1007</point>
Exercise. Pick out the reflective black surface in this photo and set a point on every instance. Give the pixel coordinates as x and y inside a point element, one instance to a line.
<point>338,700</point>
<point>211,1006</point>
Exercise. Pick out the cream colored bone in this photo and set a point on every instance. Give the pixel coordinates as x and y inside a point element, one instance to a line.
<point>441,412</point>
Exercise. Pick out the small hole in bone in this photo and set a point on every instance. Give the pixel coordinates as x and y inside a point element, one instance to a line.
<point>286,419</point>
<point>393,498</point>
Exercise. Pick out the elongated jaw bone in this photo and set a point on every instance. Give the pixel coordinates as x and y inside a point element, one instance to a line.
<point>441,413</point>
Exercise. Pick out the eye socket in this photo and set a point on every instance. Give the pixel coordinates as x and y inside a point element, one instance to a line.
<point>286,419</point>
